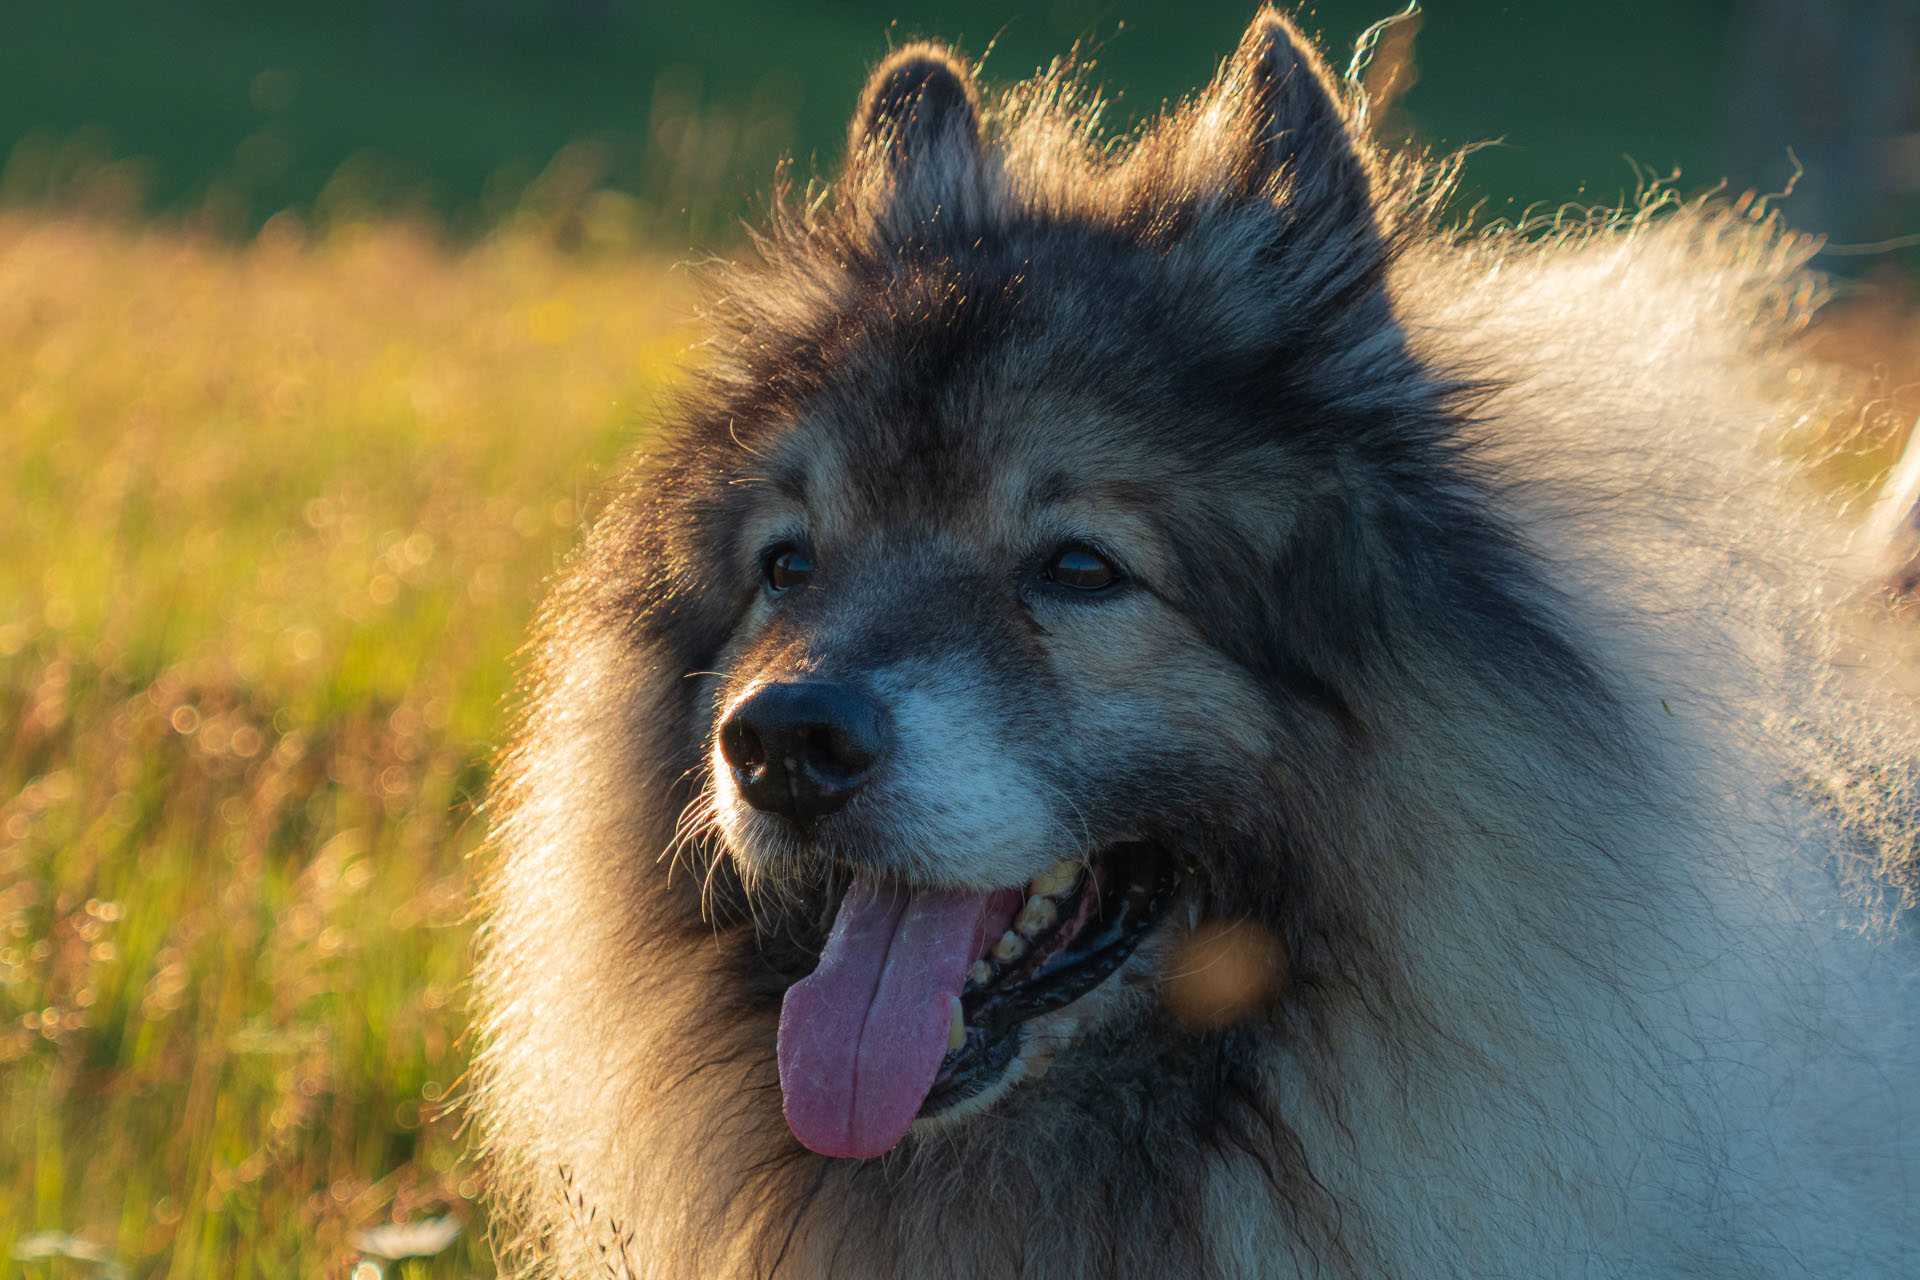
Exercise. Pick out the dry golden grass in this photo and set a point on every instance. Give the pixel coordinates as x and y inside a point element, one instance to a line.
<point>272,522</point>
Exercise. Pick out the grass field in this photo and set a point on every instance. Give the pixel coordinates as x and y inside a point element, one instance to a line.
<point>272,522</point>
<point>239,110</point>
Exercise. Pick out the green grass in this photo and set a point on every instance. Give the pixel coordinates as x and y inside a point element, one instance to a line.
<point>233,111</point>
<point>272,521</point>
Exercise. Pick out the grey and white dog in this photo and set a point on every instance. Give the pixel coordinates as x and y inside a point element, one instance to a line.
<point>1156,714</point>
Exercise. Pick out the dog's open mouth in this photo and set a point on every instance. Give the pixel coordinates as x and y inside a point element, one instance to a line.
<point>1063,942</point>
<point>918,998</point>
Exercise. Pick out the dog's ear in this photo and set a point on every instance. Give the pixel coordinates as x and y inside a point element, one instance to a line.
<point>1299,123</point>
<point>920,112</point>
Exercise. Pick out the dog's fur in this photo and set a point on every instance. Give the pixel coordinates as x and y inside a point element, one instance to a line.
<point>1483,654</point>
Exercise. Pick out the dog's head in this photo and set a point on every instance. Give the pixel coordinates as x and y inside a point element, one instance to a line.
<point>1055,511</point>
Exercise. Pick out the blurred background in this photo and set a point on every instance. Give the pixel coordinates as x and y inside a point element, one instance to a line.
<point>227,113</point>
<point>321,326</point>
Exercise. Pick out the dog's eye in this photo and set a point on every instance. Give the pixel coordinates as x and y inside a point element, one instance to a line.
<point>788,566</point>
<point>1082,568</point>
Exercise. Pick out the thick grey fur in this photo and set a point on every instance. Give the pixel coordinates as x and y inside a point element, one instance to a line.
<point>1484,644</point>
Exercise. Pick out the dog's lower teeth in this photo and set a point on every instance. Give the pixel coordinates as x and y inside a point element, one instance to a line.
<point>1009,947</point>
<point>979,974</point>
<point>1035,917</point>
<point>957,1032</point>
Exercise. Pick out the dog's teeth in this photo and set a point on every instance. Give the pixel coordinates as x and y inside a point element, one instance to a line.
<point>1038,1064</point>
<point>957,1031</point>
<point>1010,945</point>
<point>979,974</point>
<point>1035,917</point>
<point>1055,879</point>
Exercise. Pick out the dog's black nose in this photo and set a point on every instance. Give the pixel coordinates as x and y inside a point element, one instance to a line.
<point>801,750</point>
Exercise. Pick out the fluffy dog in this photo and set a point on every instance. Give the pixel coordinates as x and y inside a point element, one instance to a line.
<point>1156,714</point>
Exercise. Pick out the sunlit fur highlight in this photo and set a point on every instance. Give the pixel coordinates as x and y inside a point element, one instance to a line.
<point>1598,976</point>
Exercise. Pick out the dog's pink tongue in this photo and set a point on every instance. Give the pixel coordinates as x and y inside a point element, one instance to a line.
<point>861,1037</point>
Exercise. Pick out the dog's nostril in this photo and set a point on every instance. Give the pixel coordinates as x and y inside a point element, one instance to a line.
<point>832,754</point>
<point>741,745</point>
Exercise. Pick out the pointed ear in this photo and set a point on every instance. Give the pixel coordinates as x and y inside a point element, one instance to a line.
<point>920,106</point>
<point>1300,123</point>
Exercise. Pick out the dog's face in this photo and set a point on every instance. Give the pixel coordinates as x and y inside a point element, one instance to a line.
<point>991,691</point>
<point>993,649</point>
<point>1048,548</point>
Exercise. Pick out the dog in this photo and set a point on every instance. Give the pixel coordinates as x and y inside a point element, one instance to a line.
<point>1157,712</point>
